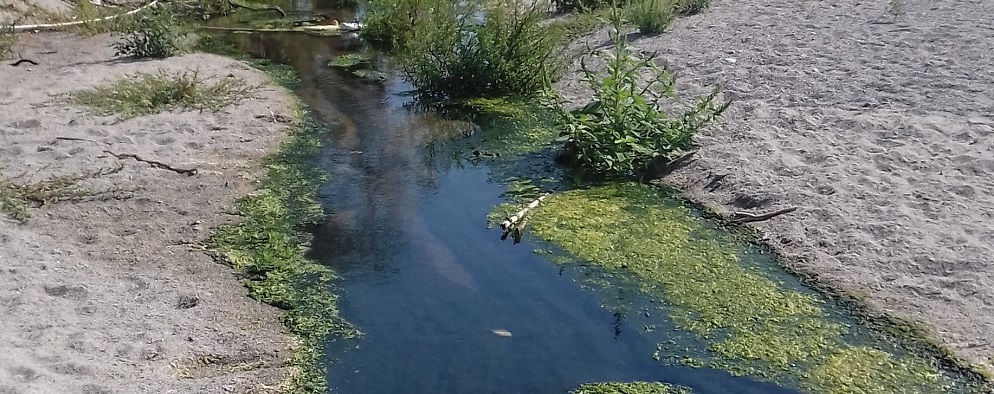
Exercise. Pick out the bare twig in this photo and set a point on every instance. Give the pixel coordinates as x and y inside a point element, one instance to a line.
<point>23,60</point>
<point>153,163</point>
<point>715,183</point>
<point>80,139</point>
<point>745,217</point>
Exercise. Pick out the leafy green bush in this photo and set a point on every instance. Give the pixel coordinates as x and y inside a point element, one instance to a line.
<point>150,35</point>
<point>388,23</point>
<point>454,56</point>
<point>624,131</point>
<point>651,16</point>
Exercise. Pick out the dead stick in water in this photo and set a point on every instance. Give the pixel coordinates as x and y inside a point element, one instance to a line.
<point>745,217</point>
<point>513,219</point>
<point>153,163</point>
<point>519,230</point>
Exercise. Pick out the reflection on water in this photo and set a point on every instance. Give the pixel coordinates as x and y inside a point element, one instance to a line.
<point>445,306</point>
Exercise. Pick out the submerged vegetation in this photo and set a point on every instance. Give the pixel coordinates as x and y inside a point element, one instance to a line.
<point>144,94</point>
<point>750,323</point>
<point>631,388</point>
<point>268,247</point>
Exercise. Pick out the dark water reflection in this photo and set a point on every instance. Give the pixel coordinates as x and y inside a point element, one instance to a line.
<point>429,285</point>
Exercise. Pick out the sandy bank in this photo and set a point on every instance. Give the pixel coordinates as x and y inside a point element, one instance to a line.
<point>110,294</point>
<point>878,128</point>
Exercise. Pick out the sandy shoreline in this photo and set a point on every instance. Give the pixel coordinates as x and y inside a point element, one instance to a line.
<point>111,295</point>
<point>878,130</point>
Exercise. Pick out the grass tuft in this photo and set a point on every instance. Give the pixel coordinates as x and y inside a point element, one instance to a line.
<point>692,7</point>
<point>145,94</point>
<point>8,38</point>
<point>16,199</point>
<point>651,16</point>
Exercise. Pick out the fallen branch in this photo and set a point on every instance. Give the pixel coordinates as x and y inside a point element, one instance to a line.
<point>80,139</point>
<point>153,163</point>
<point>745,217</point>
<point>518,216</point>
<point>23,60</point>
<point>715,183</point>
<point>519,230</point>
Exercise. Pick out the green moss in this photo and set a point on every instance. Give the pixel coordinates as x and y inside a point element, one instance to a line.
<point>268,248</point>
<point>863,370</point>
<point>751,323</point>
<point>630,388</point>
<point>348,60</point>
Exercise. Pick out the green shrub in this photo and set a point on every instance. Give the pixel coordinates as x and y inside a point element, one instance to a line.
<point>388,23</point>
<point>510,53</point>
<point>624,131</point>
<point>651,16</point>
<point>7,40</point>
<point>693,7</point>
<point>585,5</point>
<point>150,35</point>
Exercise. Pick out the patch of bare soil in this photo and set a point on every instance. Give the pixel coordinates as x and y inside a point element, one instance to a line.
<point>109,294</point>
<point>875,119</point>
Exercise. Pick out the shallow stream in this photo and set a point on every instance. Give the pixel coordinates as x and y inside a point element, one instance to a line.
<point>444,305</point>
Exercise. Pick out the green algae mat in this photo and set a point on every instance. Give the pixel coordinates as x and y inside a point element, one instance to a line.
<point>748,320</point>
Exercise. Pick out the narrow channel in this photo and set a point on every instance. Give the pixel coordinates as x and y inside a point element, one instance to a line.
<point>444,305</point>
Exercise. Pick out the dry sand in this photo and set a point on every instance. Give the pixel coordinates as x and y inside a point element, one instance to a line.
<point>881,132</point>
<point>110,295</point>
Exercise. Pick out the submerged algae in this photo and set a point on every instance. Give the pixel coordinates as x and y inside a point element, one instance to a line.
<point>751,324</point>
<point>630,388</point>
<point>267,248</point>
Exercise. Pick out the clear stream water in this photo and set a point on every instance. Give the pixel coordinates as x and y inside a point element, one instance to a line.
<point>424,278</point>
<point>428,284</point>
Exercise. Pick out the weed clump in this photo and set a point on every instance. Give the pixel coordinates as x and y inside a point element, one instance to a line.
<point>508,53</point>
<point>8,38</point>
<point>153,35</point>
<point>388,23</point>
<point>15,199</point>
<point>692,7</point>
<point>625,131</point>
<point>144,94</point>
<point>651,16</point>
<point>585,5</point>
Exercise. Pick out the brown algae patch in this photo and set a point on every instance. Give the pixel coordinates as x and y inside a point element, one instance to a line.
<point>752,324</point>
<point>630,388</point>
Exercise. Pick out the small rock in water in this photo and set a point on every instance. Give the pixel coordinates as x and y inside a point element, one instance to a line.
<point>501,332</point>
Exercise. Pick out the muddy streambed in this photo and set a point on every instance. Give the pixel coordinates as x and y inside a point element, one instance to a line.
<point>444,304</point>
